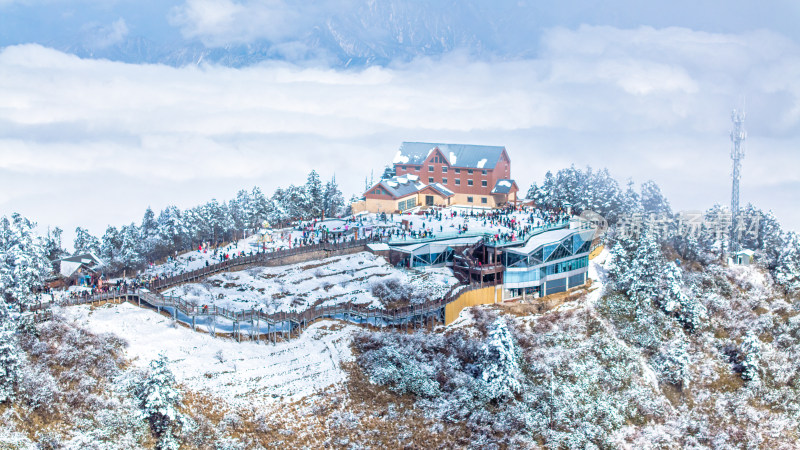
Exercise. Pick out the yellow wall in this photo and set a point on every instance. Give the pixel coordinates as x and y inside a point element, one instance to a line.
<point>357,207</point>
<point>596,252</point>
<point>483,296</point>
<point>374,205</point>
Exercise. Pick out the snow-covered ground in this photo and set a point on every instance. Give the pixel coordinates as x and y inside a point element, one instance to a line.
<point>196,259</point>
<point>248,373</point>
<point>450,224</point>
<point>367,224</point>
<point>297,287</point>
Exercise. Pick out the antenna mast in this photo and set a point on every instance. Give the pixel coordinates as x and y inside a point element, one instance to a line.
<point>738,135</point>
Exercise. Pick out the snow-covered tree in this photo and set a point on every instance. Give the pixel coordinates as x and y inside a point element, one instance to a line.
<point>686,308</point>
<point>333,199</point>
<point>646,276</point>
<point>9,356</point>
<point>672,363</point>
<point>653,201</point>
<point>787,270</point>
<point>261,208</point>
<point>631,203</point>
<point>171,231</point>
<point>53,246</point>
<point>111,244</point>
<point>85,241</point>
<point>501,371</point>
<point>24,264</point>
<point>130,253</point>
<point>750,350</point>
<point>159,399</point>
<point>314,196</point>
<point>582,190</point>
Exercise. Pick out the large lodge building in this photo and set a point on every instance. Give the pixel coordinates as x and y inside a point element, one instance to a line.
<point>443,175</point>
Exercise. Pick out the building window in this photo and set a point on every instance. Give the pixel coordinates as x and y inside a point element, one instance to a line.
<point>469,171</point>
<point>458,181</point>
<point>458,170</point>
<point>444,180</point>
<point>430,180</point>
<point>483,171</point>
<point>403,167</point>
<point>444,169</point>
<point>484,200</point>
<point>483,183</point>
<point>417,168</point>
<point>469,182</point>
<point>469,200</point>
<point>430,168</point>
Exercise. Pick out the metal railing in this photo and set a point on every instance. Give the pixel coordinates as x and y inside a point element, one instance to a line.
<point>291,321</point>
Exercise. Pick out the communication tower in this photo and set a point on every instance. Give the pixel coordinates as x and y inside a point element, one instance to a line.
<point>738,135</point>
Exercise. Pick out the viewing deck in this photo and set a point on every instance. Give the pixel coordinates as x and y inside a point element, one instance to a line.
<point>488,237</point>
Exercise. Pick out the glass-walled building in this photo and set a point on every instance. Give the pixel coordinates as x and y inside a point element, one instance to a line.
<point>548,263</point>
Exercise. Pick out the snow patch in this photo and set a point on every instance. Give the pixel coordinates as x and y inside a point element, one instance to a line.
<point>246,373</point>
<point>482,163</point>
<point>400,158</point>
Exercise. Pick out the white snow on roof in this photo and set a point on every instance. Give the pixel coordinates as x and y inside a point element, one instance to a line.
<point>378,247</point>
<point>412,177</point>
<point>453,158</point>
<point>400,158</point>
<point>504,183</point>
<point>391,183</point>
<point>482,163</point>
<point>402,180</point>
<point>69,267</point>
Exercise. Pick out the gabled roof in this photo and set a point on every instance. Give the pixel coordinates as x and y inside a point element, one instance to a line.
<point>443,191</point>
<point>71,264</point>
<point>89,259</point>
<point>401,186</point>
<point>458,155</point>
<point>504,186</point>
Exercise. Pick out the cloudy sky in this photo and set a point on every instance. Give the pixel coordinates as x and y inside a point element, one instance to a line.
<point>90,141</point>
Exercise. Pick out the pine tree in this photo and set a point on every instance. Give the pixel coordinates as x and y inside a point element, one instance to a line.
<point>85,242</point>
<point>672,363</point>
<point>261,209</point>
<point>653,201</point>
<point>333,199</point>
<point>9,355</point>
<point>25,264</point>
<point>53,245</point>
<point>646,276</point>
<point>631,203</point>
<point>501,371</point>
<point>313,201</point>
<point>171,231</point>
<point>787,268</point>
<point>130,254</point>
<point>159,399</point>
<point>751,357</point>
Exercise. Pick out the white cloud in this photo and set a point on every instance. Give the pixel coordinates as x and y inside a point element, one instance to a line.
<point>646,103</point>
<point>111,34</point>
<point>220,22</point>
